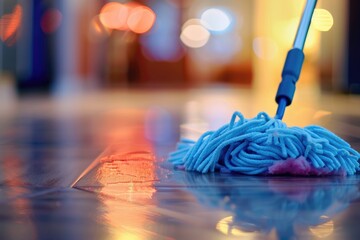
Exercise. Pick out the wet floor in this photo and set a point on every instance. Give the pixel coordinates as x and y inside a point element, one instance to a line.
<point>94,167</point>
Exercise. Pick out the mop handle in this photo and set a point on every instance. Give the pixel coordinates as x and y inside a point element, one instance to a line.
<point>293,62</point>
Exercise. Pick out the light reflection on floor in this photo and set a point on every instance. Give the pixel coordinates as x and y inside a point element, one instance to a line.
<point>149,189</point>
<point>100,172</point>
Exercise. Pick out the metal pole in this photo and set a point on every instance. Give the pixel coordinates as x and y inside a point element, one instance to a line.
<point>304,24</point>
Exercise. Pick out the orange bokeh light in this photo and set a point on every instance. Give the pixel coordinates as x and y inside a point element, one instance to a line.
<point>141,19</point>
<point>10,23</point>
<point>114,15</point>
<point>130,16</point>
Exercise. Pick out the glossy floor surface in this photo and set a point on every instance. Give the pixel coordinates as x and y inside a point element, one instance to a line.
<point>94,167</point>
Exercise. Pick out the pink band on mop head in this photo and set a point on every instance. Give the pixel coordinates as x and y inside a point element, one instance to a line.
<point>300,167</point>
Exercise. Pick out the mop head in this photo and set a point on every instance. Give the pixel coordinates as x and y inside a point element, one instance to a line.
<point>266,146</point>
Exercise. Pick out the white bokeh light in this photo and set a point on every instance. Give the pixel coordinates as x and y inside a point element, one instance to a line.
<point>322,20</point>
<point>194,35</point>
<point>215,19</point>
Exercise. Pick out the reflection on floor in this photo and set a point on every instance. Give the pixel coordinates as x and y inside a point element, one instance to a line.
<point>91,169</point>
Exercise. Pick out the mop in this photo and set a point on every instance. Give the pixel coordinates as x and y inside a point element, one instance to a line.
<point>264,145</point>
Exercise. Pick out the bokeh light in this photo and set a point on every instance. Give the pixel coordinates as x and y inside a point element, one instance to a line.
<point>51,20</point>
<point>10,24</point>
<point>195,36</point>
<point>129,16</point>
<point>141,19</point>
<point>322,20</point>
<point>215,19</point>
<point>192,21</point>
<point>114,15</point>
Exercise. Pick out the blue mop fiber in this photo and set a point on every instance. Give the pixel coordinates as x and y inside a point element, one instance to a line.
<point>265,145</point>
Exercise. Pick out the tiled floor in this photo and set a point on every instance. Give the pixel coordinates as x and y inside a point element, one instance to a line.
<point>94,167</point>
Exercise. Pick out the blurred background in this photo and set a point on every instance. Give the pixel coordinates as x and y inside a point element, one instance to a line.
<point>67,46</point>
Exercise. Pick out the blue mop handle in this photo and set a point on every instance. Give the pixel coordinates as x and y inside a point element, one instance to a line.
<point>294,62</point>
